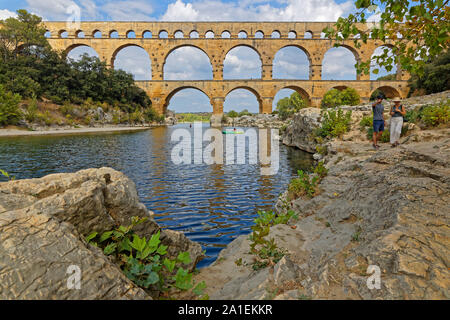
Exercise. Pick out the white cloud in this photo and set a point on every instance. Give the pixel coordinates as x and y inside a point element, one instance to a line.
<point>294,10</point>
<point>242,63</point>
<point>5,14</point>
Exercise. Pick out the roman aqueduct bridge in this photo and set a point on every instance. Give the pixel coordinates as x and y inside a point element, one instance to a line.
<point>266,38</point>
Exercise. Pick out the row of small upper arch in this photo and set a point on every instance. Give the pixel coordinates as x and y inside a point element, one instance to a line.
<point>179,34</point>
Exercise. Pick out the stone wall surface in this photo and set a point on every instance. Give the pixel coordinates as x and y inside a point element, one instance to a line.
<point>43,224</point>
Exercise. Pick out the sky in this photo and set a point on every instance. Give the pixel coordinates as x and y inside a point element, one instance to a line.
<point>188,63</point>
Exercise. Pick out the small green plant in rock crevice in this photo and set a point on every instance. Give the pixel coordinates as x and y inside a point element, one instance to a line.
<point>307,184</point>
<point>6,174</point>
<point>143,261</point>
<point>265,250</point>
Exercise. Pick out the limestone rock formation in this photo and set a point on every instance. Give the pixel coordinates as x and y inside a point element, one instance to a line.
<point>300,133</point>
<point>388,208</point>
<point>43,224</point>
<point>258,120</point>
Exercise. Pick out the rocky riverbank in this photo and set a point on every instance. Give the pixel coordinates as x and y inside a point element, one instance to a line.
<point>387,209</point>
<point>43,225</point>
<point>258,120</point>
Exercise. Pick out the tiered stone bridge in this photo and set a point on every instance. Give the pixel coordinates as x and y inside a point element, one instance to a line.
<point>208,38</point>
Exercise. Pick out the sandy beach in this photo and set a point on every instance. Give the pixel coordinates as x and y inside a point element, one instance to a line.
<point>16,132</point>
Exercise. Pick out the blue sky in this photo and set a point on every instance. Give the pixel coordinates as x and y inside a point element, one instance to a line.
<point>188,63</point>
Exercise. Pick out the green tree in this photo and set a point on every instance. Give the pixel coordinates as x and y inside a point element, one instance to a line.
<point>23,33</point>
<point>244,112</point>
<point>334,98</point>
<point>9,107</point>
<point>417,31</point>
<point>288,106</point>
<point>232,114</point>
<point>436,76</point>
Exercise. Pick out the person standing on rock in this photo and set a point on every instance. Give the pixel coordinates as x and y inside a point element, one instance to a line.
<point>378,121</point>
<point>395,127</point>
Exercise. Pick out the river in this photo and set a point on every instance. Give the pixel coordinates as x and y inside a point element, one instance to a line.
<point>211,204</point>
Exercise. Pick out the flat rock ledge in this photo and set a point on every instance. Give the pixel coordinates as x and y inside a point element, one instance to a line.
<point>43,225</point>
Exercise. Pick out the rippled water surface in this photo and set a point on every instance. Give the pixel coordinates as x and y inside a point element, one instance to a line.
<point>211,204</point>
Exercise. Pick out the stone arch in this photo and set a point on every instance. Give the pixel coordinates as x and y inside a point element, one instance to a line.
<point>80,34</point>
<point>163,34</point>
<point>303,49</point>
<point>178,34</point>
<point>292,34</point>
<point>242,34</point>
<point>113,32</point>
<point>63,34</point>
<point>168,97</point>
<point>276,34</point>
<point>96,34</point>
<point>225,34</point>
<point>130,34</point>
<point>147,34</point>
<point>243,45</point>
<point>130,45</point>
<point>302,92</point>
<point>388,91</point>
<point>250,89</point>
<point>308,34</point>
<point>209,34</point>
<point>79,45</point>
<point>197,48</point>
<point>259,34</point>
<point>346,68</point>
<point>194,34</point>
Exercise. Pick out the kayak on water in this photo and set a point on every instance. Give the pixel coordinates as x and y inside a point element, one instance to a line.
<point>228,131</point>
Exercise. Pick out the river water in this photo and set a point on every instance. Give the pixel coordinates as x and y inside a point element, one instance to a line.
<point>211,204</point>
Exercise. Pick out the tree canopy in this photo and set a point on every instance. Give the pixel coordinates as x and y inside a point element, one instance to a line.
<point>29,67</point>
<point>290,105</point>
<point>417,31</point>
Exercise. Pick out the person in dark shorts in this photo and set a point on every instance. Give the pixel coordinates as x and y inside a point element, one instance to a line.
<point>378,121</point>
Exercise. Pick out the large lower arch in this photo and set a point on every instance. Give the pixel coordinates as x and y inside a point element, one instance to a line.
<point>388,91</point>
<point>242,62</point>
<point>133,59</point>
<point>292,62</point>
<point>302,92</point>
<point>76,51</point>
<point>244,100</point>
<point>188,104</point>
<point>187,62</point>
<point>287,92</point>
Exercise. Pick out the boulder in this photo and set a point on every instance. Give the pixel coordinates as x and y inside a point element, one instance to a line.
<point>43,224</point>
<point>300,133</point>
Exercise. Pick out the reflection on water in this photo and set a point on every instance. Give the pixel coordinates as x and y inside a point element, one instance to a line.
<point>211,204</point>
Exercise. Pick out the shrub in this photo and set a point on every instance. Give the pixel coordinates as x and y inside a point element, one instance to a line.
<point>31,111</point>
<point>366,122</point>
<point>433,116</point>
<point>9,107</point>
<point>334,123</point>
<point>307,184</point>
